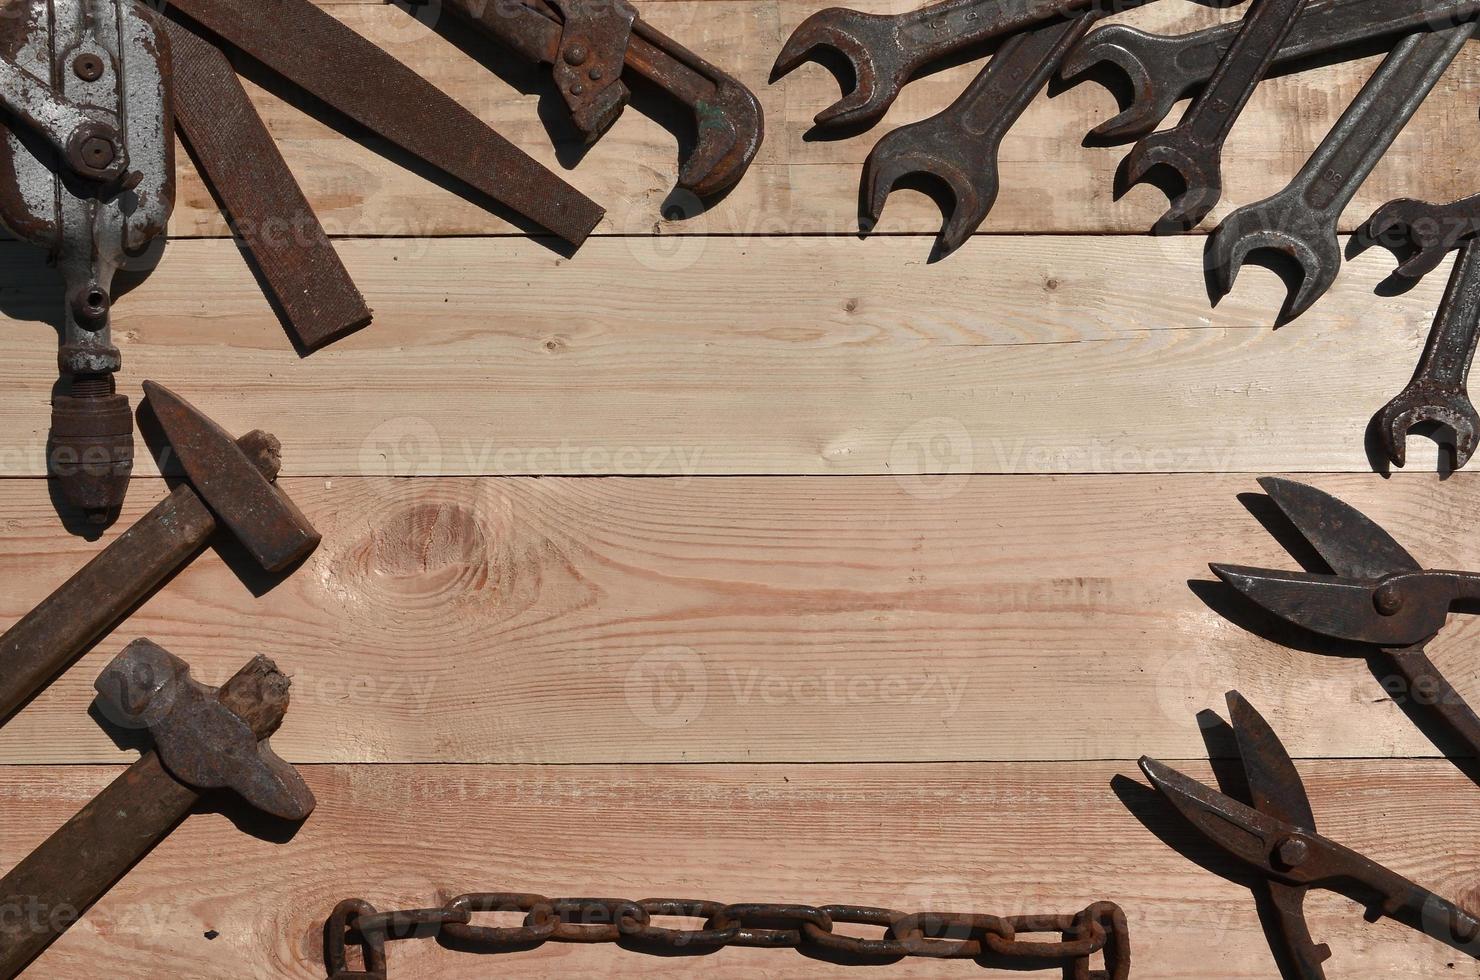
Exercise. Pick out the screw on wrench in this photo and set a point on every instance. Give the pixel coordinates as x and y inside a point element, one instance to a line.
<point>1301,220</point>
<point>1439,391</point>
<point>886,51</point>
<point>959,146</point>
<point>1429,231</point>
<point>1194,148</point>
<point>1164,69</point>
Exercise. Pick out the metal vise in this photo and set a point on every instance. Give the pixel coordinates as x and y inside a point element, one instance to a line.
<point>87,171</point>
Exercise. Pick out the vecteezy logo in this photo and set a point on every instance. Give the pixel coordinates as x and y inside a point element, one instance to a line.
<point>407,446</point>
<point>933,459</point>
<point>667,688</point>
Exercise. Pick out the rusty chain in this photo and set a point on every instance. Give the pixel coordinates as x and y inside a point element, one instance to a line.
<point>991,940</point>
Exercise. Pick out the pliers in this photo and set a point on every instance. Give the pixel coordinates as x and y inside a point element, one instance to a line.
<point>1277,837</point>
<point>1379,595</point>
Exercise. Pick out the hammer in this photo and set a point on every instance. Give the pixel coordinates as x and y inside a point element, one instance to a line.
<point>205,739</point>
<point>230,483</point>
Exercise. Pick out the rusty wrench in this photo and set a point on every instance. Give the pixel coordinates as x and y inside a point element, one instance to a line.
<point>1301,220</point>
<point>1439,390</point>
<point>959,146</point>
<point>1194,147</point>
<point>1431,230</point>
<point>887,50</point>
<point>1163,69</point>
<point>728,116</point>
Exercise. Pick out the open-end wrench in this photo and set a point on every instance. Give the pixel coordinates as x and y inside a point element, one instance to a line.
<point>1431,231</point>
<point>1194,147</point>
<point>1301,220</point>
<point>887,50</point>
<point>1439,391</point>
<point>1164,69</point>
<point>959,146</point>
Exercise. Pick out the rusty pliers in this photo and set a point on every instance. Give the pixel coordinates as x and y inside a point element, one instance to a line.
<point>1275,834</point>
<point>1379,596</point>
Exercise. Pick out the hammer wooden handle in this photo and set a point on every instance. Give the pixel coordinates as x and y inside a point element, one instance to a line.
<point>60,630</point>
<point>60,880</point>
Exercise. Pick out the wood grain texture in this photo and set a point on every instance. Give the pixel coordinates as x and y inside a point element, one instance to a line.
<point>783,356</point>
<point>765,620</point>
<point>1005,839</point>
<point>902,564</point>
<point>1051,182</point>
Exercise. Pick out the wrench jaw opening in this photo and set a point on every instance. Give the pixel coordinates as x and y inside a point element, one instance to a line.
<point>1418,404</point>
<point>1415,229</point>
<point>973,192</point>
<point>1125,47</point>
<point>857,37</point>
<point>731,127</point>
<point>1261,228</point>
<point>1202,185</point>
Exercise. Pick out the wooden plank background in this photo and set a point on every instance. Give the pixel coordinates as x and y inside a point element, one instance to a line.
<point>736,557</point>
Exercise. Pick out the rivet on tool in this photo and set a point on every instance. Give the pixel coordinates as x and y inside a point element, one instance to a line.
<point>98,152</point>
<point>1293,852</point>
<point>1389,600</point>
<point>576,54</point>
<point>88,67</point>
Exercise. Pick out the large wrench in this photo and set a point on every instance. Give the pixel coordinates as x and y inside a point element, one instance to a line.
<point>959,146</point>
<point>1301,220</point>
<point>728,116</point>
<point>1164,69</point>
<point>1431,230</point>
<point>1439,391</point>
<point>1194,148</point>
<point>887,50</point>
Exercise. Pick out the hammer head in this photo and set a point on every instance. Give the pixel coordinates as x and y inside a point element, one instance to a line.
<point>237,488</point>
<point>208,738</point>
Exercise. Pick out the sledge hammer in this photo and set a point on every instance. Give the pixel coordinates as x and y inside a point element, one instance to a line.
<point>205,739</point>
<point>230,483</point>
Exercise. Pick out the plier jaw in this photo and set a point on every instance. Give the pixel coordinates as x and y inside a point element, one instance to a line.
<point>1274,834</point>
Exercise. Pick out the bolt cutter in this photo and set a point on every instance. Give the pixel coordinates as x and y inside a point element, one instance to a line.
<point>1379,595</point>
<point>1277,837</point>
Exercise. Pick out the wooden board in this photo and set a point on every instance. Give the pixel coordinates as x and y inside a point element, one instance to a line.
<point>761,620</point>
<point>736,557</point>
<point>214,901</point>
<point>495,357</point>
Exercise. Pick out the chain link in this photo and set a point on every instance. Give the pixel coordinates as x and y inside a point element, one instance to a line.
<point>990,939</point>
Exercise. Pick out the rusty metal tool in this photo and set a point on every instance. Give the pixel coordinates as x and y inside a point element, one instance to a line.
<point>1164,69</point>
<point>311,50</point>
<point>230,484</point>
<point>268,213</point>
<point>1430,231</point>
<point>886,50</point>
<point>1439,391</point>
<point>87,172</point>
<point>1301,221</point>
<point>989,939</point>
<point>1276,836</point>
<point>205,739</point>
<point>1193,149</point>
<point>591,44</point>
<point>1378,596</point>
<point>959,146</point>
